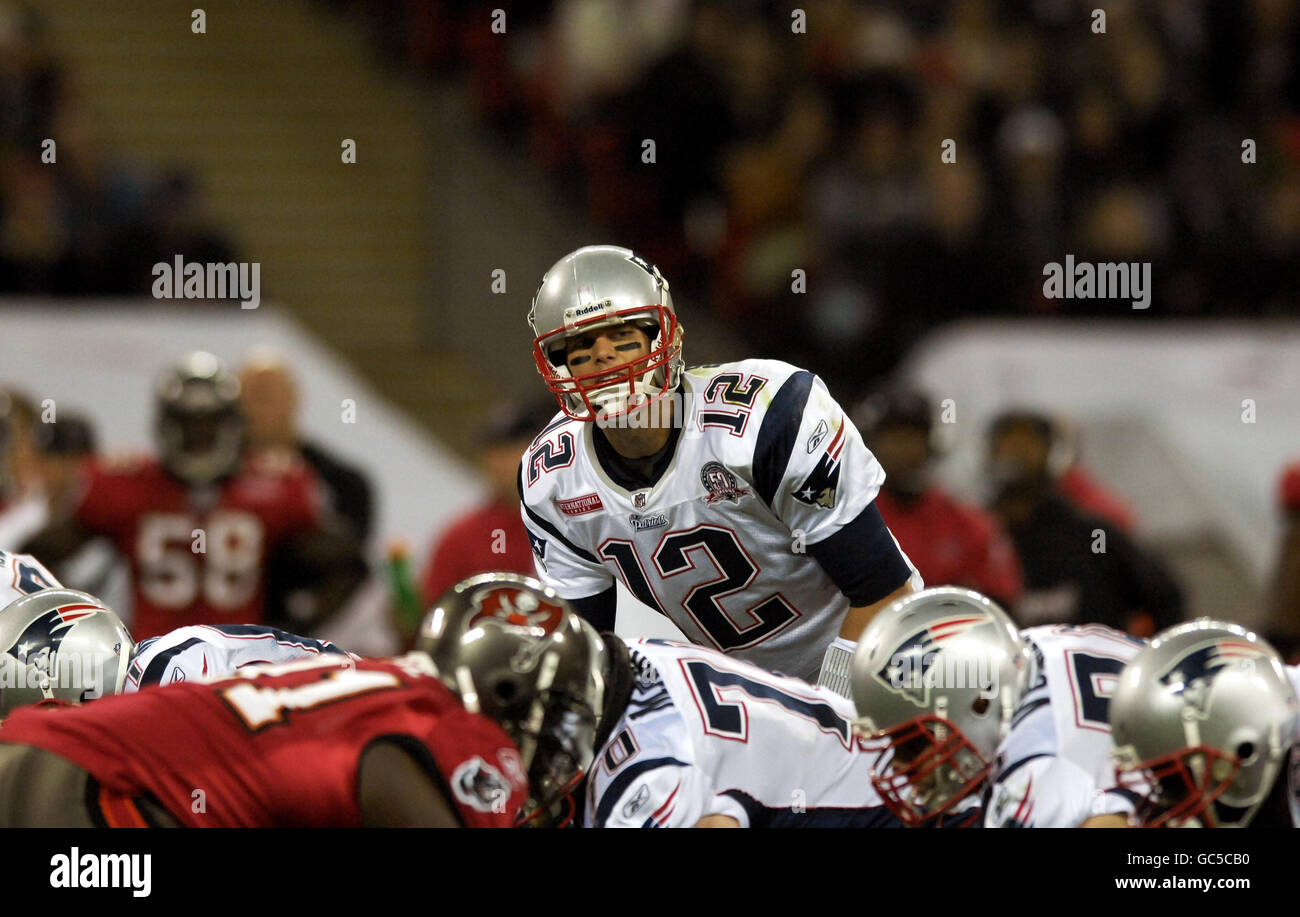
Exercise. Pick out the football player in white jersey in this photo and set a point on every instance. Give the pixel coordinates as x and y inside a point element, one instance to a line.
<point>1055,768</point>
<point>688,736</point>
<point>63,644</point>
<point>708,740</point>
<point>736,499</point>
<point>964,707</point>
<point>202,651</point>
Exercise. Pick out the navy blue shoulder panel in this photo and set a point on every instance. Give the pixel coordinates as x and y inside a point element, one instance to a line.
<point>618,786</point>
<point>780,430</point>
<point>154,673</point>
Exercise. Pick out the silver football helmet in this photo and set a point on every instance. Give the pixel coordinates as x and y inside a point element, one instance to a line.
<point>595,287</point>
<point>513,650</point>
<point>60,644</point>
<point>936,678</point>
<point>1202,719</point>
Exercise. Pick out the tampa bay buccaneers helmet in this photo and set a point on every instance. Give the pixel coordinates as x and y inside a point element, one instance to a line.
<point>199,427</point>
<point>936,678</point>
<point>1202,720</point>
<point>513,650</point>
<point>60,644</point>
<point>594,288</point>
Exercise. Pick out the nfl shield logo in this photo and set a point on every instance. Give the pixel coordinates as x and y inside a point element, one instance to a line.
<point>638,499</point>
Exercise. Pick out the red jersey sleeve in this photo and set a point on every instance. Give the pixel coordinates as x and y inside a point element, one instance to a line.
<point>110,500</point>
<point>481,769</point>
<point>445,565</point>
<point>298,501</point>
<point>997,569</point>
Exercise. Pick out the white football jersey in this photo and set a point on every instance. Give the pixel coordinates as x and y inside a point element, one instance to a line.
<point>1054,768</point>
<point>22,574</point>
<point>766,464</point>
<point>203,651</point>
<point>707,734</point>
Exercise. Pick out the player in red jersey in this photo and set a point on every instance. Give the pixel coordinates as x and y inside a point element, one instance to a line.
<point>325,742</point>
<point>198,523</point>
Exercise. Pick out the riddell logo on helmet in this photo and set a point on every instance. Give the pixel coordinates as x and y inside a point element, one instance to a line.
<point>587,310</point>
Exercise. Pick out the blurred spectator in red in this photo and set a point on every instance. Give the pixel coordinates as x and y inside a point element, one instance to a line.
<point>951,543</point>
<point>1078,568</point>
<point>64,447</point>
<point>491,537</point>
<point>1052,447</point>
<point>268,401</point>
<point>1284,617</point>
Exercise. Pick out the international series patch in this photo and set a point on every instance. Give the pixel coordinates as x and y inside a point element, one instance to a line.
<point>580,506</point>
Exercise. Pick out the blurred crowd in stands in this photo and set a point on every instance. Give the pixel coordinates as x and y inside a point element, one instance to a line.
<point>778,151</point>
<point>85,223</point>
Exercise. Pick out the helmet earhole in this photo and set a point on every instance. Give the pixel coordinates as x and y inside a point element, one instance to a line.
<point>980,707</point>
<point>505,690</point>
<point>1246,752</point>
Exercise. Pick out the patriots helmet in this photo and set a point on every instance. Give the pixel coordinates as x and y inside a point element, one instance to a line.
<point>593,288</point>
<point>60,644</point>
<point>1202,720</point>
<point>936,677</point>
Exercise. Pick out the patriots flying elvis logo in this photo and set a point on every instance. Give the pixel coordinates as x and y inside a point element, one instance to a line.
<point>1193,673</point>
<point>908,671</point>
<point>39,643</point>
<point>818,489</point>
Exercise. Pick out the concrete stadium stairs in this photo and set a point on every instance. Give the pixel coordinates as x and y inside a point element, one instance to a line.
<point>258,107</point>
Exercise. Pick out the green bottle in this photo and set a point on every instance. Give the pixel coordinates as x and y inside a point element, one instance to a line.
<point>407,607</point>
